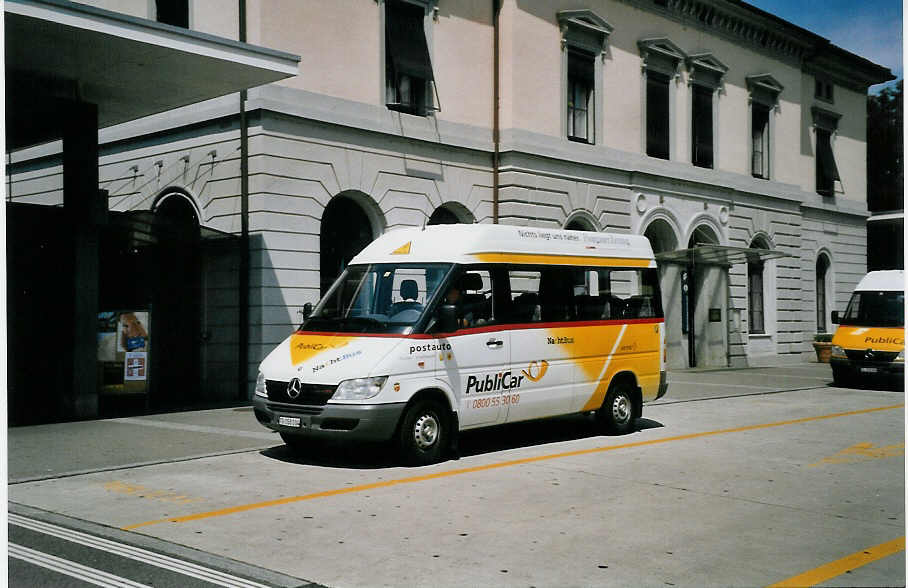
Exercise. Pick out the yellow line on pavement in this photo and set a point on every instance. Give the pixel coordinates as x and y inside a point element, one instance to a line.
<point>493,466</point>
<point>840,566</point>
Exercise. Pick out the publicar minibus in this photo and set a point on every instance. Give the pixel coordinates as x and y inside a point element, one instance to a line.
<point>870,340</point>
<point>435,330</point>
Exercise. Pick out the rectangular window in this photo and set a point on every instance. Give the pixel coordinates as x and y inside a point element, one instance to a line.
<point>580,94</point>
<point>760,141</point>
<point>702,125</point>
<point>408,67</point>
<point>755,298</point>
<point>657,123</point>
<point>823,90</point>
<point>172,12</point>
<point>558,294</point>
<point>827,171</point>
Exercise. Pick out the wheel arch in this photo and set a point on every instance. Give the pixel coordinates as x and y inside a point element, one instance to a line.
<point>629,378</point>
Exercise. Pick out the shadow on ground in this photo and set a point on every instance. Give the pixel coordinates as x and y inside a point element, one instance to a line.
<point>366,456</point>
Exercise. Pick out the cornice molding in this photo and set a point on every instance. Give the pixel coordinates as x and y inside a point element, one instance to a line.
<point>748,26</point>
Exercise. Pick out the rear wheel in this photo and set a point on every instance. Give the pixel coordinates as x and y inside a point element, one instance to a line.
<point>423,432</point>
<point>617,412</point>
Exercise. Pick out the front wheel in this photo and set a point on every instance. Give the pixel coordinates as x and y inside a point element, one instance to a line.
<point>423,432</point>
<point>842,377</point>
<point>617,412</point>
<point>296,443</point>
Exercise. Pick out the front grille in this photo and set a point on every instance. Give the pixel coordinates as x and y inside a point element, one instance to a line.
<point>295,409</point>
<point>860,356</point>
<point>310,394</point>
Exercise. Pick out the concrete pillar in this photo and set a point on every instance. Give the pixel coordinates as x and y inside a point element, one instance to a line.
<point>84,212</point>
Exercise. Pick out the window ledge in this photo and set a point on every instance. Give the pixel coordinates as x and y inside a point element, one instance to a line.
<point>760,336</point>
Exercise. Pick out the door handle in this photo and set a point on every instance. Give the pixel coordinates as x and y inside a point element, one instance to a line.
<point>496,343</point>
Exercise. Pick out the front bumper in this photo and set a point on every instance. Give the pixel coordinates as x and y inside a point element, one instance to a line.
<point>356,422</point>
<point>894,370</point>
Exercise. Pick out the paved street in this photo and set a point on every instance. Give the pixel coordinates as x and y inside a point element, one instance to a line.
<point>737,477</point>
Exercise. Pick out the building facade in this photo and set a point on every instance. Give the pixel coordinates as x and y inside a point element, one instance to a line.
<point>734,140</point>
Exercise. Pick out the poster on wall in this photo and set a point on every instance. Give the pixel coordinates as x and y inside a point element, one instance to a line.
<point>123,348</point>
<point>135,366</point>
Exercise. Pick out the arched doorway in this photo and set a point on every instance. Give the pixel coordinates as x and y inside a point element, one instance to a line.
<point>823,293</point>
<point>345,231</point>
<point>580,221</point>
<point>443,216</point>
<point>704,293</point>
<point>663,239</point>
<point>175,293</point>
<point>451,213</point>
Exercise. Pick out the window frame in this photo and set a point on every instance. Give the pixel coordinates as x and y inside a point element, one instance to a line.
<point>702,125</point>
<point>574,80</point>
<point>825,126</point>
<point>425,100</point>
<point>756,301</point>
<point>765,140</point>
<point>662,57</point>
<point>705,78</point>
<point>764,94</point>
<point>584,34</point>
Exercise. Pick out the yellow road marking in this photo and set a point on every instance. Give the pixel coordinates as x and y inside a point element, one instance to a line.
<point>493,466</point>
<point>840,566</point>
<point>863,452</point>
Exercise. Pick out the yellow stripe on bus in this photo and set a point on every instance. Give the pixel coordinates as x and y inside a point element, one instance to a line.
<point>546,259</point>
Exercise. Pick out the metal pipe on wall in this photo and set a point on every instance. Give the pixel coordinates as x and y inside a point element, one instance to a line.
<point>243,294</point>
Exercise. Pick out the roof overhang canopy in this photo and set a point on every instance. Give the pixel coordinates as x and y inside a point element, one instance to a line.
<point>58,51</point>
<point>723,255</point>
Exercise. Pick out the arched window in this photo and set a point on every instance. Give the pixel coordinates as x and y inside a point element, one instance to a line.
<point>756,311</point>
<point>822,270</point>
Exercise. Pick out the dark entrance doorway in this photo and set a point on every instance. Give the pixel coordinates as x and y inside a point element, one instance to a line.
<point>345,231</point>
<point>175,269</point>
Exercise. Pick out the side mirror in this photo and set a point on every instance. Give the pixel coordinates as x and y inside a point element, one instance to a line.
<point>447,318</point>
<point>307,310</point>
<point>835,316</point>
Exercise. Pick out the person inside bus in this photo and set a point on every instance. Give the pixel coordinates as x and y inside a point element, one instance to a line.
<point>469,311</point>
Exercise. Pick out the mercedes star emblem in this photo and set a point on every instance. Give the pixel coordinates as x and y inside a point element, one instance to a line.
<point>294,388</point>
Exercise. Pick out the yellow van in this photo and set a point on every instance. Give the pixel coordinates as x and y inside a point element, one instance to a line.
<point>433,331</point>
<point>870,340</point>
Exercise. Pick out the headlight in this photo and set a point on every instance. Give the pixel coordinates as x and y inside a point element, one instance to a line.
<point>837,351</point>
<point>260,386</point>
<point>900,356</point>
<point>359,388</point>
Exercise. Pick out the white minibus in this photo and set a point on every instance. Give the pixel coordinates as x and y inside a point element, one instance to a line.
<point>431,331</point>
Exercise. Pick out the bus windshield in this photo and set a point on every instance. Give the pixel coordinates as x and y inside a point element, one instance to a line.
<point>378,298</point>
<point>875,309</point>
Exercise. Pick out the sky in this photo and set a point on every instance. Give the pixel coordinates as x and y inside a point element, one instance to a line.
<point>869,28</point>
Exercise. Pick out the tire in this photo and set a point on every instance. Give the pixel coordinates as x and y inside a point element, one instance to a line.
<point>423,433</point>
<point>842,377</point>
<point>296,443</point>
<point>617,412</point>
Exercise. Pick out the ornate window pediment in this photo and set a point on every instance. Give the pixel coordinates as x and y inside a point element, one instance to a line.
<point>706,70</point>
<point>660,54</point>
<point>764,89</point>
<point>584,29</point>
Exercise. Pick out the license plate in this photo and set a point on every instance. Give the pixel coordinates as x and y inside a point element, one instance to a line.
<point>869,370</point>
<point>288,421</point>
